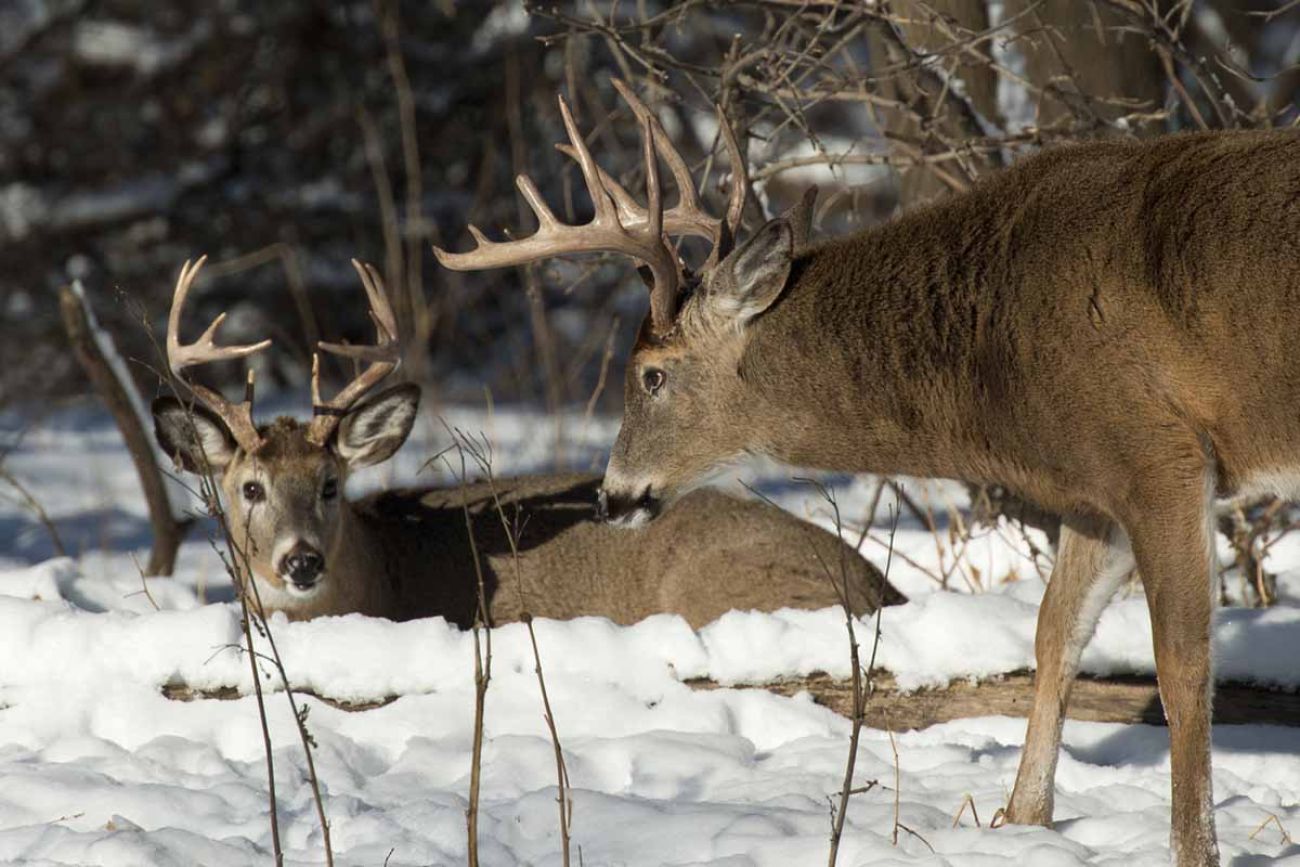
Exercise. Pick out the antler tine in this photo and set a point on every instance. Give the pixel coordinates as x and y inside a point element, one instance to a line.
<point>381,313</point>
<point>688,198</point>
<point>653,191</point>
<point>384,356</point>
<point>601,200</point>
<point>617,226</point>
<point>648,245</point>
<point>552,237</point>
<point>629,212</point>
<point>663,295</point>
<point>676,220</point>
<point>729,228</point>
<point>238,417</point>
<point>204,349</point>
<point>688,216</point>
<point>739,174</point>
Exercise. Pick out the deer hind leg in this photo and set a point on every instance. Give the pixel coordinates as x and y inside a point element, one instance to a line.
<point>1093,557</point>
<point>1173,540</point>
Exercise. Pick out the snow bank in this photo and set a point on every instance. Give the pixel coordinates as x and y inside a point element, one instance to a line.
<point>50,637</point>
<point>98,767</point>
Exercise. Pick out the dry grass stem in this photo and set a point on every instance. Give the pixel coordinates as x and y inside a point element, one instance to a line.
<point>1272,817</point>
<point>967,801</point>
<point>481,453</point>
<point>34,505</point>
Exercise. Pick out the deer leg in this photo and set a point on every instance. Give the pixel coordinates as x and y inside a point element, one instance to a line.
<point>1173,540</point>
<point>1092,558</point>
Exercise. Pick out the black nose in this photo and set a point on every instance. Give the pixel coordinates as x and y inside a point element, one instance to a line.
<point>613,507</point>
<point>303,565</point>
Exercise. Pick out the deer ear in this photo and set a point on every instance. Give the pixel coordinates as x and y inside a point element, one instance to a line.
<point>800,216</point>
<point>751,278</point>
<point>373,430</point>
<point>193,436</point>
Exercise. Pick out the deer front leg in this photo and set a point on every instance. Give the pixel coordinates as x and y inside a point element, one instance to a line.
<point>1092,558</point>
<point>1173,541</point>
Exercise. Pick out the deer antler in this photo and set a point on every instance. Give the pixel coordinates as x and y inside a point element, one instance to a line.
<point>688,216</point>
<point>619,224</point>
<point>383,357</point>
<point>238,417</point>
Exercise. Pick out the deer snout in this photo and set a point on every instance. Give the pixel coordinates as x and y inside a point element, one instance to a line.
<point>302,566</point>
<point>626,510</point>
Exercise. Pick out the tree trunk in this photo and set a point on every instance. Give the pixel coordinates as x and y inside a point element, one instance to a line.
<point>168,531</point>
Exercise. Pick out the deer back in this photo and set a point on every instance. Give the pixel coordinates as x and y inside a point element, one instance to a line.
<point>712,554</point>
<point>1039,331</point>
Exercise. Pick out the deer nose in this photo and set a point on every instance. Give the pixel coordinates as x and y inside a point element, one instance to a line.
<point>302,566</point>
<point>626,511</point>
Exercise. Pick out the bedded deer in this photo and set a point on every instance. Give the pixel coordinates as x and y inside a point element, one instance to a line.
<point>407,553</point>
<point>1106,328</point>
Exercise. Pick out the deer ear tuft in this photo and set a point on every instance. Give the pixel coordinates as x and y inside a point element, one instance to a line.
<point>751,278</point>
<point>193,436</point>
<point>372,431</point>
<point>800,216</point>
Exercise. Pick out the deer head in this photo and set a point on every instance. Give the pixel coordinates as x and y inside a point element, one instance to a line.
<point>683,395</point>
<point>281,484</point>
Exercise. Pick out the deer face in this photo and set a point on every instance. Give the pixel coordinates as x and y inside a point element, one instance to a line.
<point>284,501</point>
<point>684,396</point>
<point>684,377</point>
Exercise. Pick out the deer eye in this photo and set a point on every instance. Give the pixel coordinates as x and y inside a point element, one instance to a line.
<point>331,489</point>
<point>254,492</point>
<point>653,379</point>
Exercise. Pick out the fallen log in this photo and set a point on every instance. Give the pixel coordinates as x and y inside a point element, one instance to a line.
<point>1113,699</point>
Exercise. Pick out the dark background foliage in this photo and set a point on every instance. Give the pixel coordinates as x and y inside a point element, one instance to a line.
<point>284,138</point>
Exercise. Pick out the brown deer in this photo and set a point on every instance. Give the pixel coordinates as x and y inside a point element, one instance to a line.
<point>307,551</point>
<point>1106,328</point>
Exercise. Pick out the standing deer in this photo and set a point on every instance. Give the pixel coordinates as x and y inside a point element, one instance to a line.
<point>1106,328</point>
<point>307,551</point>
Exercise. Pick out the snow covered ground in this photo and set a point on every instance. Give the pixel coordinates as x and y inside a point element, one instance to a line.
<point>97,767</point>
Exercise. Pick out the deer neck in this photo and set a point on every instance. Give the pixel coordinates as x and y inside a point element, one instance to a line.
<point>361,582</point>
<point>871,362</point>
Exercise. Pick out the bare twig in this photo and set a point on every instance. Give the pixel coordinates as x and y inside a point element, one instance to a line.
<point>253,613</point>
<point>903,827</point>
<point>253,610</point>
<point>482,634</point>
<point>1272,817</point>
<point>898,787</point>
<point>481,453</point>
<point>967,801</point>
<point>542,338</point>
<point>413,311</point>
<point>605,359</point>
<point>209,491</point>
<point>36,508</point>
<point>861,689</point>
<point>245,620</point>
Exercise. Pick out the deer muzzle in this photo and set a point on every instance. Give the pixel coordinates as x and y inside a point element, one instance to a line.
<point>302,566</point>
<point>626,511</point>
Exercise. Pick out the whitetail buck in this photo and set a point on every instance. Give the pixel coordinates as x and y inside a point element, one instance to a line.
<point>1108,328</point>
<point>406,554</point>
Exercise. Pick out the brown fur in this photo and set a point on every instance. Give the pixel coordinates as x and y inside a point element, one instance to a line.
<point>1109,329</point>
<point>406,554</point>
<point>712,554</point>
